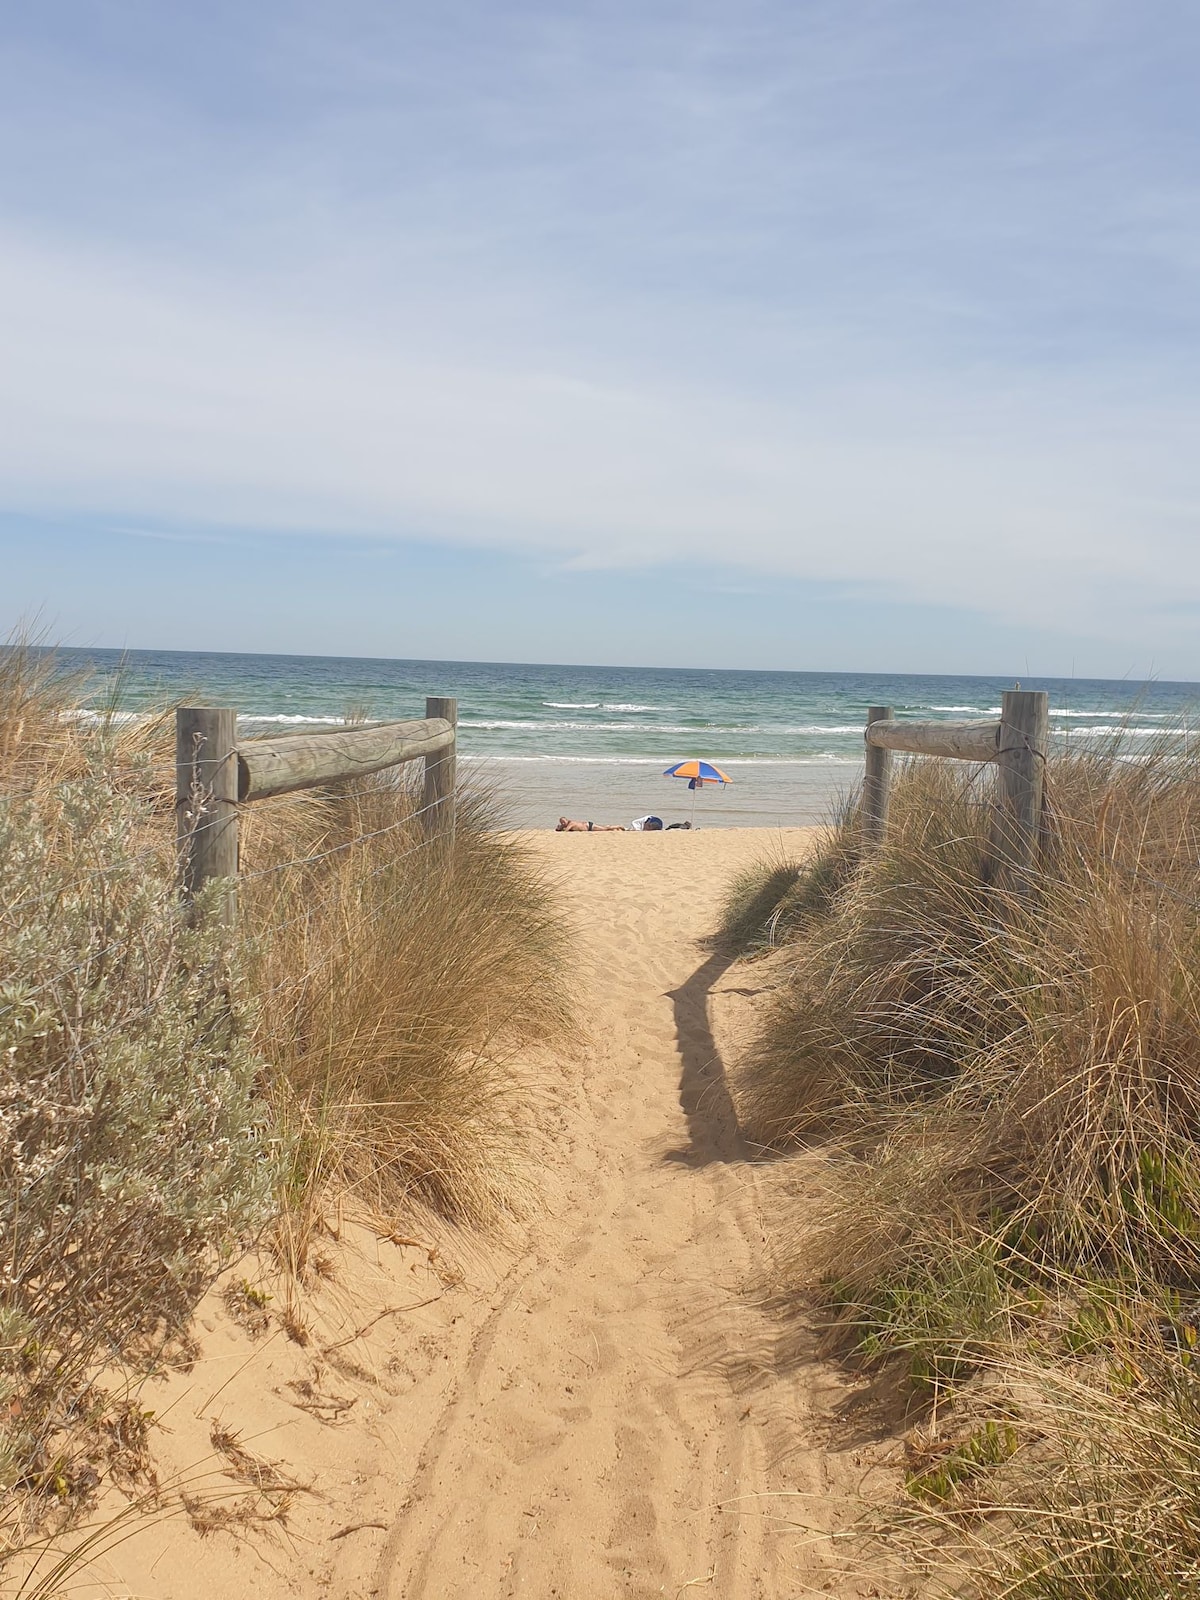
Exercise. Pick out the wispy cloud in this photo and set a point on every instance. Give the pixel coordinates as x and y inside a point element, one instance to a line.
<point>172,538</point>
<point>850,292</point>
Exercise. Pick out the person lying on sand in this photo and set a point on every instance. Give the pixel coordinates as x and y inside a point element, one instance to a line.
<point>569,825</point>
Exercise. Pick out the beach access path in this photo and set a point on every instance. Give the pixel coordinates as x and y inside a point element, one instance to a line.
<point>605,1408</point>
<point>627,1423</point>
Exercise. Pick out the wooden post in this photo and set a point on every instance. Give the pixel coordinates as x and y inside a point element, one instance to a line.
<point>437,800</point>
<point>206,812</point>
<point>876,789</point>
<point>1020,781</point>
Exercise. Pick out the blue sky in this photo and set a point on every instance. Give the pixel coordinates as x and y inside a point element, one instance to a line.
<point>805,335</point>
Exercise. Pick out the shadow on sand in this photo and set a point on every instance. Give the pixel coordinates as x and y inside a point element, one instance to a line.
<point>712,1124</point>
<point>860,1405</point>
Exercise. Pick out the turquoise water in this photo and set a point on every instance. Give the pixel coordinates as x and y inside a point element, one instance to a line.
<point>592,741</point>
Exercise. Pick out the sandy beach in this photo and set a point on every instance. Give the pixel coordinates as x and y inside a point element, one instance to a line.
<point>534,794</point>
<point>599,1407</point>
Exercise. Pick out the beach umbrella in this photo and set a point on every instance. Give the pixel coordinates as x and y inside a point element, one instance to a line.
<point>697,773</point>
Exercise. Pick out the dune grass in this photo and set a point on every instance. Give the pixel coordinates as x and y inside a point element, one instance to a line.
<point>769,902</point>
<point>1012,1092</point>
<point>167,1091</point>
<point>399,985</point>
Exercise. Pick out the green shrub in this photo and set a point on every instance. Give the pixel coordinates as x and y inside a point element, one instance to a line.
<point>167,1087</point>
<point>132,1146</point>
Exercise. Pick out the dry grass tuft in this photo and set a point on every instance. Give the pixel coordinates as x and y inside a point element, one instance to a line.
<point>405,984</point>
<point>1013,1092</point>
<point>772,900</point>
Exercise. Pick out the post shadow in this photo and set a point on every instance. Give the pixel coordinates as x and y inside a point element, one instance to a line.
<point>712,1124</point>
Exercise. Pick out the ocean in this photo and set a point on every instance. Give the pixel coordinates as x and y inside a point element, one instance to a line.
<point>592,742</point>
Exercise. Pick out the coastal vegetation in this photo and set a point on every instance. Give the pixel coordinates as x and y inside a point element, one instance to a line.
<point>172,1093</point>
<point>1002,1098</point>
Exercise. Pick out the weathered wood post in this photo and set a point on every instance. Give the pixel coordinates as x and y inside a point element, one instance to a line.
<point>877,779</point>
<point>1020,784</point>
<point>441,774</point>
<point>206,808</point>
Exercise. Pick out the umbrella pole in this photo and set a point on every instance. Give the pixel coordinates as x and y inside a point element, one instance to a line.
<point>693,808</point>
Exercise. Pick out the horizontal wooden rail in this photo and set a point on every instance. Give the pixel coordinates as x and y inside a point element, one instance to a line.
<point>1017,744</point>
<point>269,767</point>
<point>215,775</point>
<point>959,741</point>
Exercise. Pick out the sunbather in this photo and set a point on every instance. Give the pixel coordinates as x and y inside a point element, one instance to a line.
<point>569,825</point>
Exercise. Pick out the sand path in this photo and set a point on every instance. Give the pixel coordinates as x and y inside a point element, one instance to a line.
<point>602,1411</point>
<point>620,1428</point>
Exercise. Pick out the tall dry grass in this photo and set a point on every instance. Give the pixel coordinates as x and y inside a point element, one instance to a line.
<point>401,984</point>
<point>168,1089</point>
<point>770,902</point>
<point>1012,1092</point>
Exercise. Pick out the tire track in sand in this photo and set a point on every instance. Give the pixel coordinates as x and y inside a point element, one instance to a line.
<point>617,1432</point>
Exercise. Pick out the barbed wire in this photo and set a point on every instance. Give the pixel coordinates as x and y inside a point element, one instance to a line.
<point>296,980</point>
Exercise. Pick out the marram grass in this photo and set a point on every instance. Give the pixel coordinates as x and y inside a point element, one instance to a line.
<point>1009,1093</point>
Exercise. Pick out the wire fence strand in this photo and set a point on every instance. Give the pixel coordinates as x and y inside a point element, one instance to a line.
<point>407,820</point>
<point>293,981</point>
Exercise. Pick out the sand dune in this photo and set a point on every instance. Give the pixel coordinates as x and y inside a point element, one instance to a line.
<point>601,1412</point>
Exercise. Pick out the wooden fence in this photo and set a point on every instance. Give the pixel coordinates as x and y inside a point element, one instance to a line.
<point>215,777</point>
<point>1016,743</point>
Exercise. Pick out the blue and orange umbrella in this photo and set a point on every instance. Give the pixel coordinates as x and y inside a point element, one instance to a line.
<point>697,773</point>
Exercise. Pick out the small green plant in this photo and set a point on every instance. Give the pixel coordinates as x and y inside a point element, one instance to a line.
<point>942,1319</point>
<point>247,1305</point>
<point>1103,1318</point>
<point>1161,1193</point>
<point>989,1446</point>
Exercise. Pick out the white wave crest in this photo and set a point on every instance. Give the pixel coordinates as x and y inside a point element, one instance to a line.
<point>600,705</point>
<point>95,719</point>
<point>1118,729</point>
<point>1059,711</point>
<point>503,724</point>
<point>291,717</point>
<point>1153,716</point>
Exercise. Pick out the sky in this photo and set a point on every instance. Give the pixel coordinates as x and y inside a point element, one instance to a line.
<point>808,334</point>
